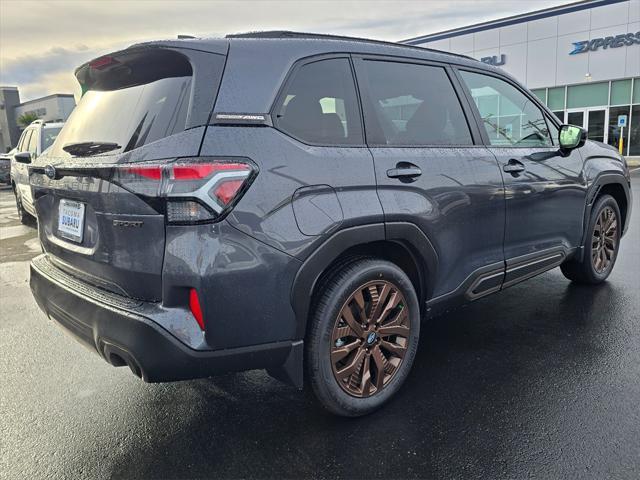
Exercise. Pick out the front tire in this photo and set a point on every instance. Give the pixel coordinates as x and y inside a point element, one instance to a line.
<point>602,245</point>
<point>363,336</point>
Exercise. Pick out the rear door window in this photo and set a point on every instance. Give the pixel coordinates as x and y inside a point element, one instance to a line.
<point>24,140</point>
<point>412,104</point>
<point>319,104</point>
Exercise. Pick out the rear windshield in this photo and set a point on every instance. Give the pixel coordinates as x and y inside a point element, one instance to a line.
<point>129,100</point>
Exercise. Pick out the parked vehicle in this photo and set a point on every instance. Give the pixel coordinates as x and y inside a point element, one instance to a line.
<point>35,139</point>
<point>280,200</point>
<point>5,166</point>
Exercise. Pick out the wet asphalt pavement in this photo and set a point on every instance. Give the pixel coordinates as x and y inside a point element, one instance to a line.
<point>540,381</point>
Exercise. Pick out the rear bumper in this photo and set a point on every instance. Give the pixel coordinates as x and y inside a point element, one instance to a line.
<point>114,327</point>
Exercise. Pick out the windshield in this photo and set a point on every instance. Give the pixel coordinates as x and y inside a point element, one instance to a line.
<point>128,117</point>
<point>49,135</point>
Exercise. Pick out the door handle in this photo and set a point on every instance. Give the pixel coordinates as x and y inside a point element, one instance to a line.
<point>514,166</point>
<point>404,170</point>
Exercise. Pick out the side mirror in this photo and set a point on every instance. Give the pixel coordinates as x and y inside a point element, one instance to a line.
<point>23,157</point>
<point>571,137</point>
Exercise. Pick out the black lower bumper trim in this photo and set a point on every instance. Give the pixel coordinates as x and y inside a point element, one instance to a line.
<point>124,337</point>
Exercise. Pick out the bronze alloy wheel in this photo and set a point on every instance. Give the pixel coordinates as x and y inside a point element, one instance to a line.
<point>370,338</point>
<point>604,240</point>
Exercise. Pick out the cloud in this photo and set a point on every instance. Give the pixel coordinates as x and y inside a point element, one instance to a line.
<point>50,71</point>
<point>76,31</point>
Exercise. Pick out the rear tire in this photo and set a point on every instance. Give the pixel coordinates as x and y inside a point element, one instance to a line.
<point>382,327</point>
<point>601,247</point>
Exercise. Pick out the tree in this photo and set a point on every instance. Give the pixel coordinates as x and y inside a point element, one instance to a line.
<point>25,119</point>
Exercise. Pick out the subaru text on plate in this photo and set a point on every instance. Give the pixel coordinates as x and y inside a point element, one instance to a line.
<point>298,203</point>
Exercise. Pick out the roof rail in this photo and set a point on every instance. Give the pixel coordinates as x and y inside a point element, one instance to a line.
<point>324,36</point>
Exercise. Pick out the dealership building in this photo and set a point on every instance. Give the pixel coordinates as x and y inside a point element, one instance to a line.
<point>52,108</point>
<point>581,59</point>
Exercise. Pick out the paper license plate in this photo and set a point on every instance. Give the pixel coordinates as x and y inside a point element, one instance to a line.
<point>71,220</point>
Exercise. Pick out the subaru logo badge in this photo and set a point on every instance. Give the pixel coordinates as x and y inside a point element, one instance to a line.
<point>50,171</point>
<point>371,337</point>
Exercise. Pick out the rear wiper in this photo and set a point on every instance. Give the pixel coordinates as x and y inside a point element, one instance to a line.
<point>87,149</point>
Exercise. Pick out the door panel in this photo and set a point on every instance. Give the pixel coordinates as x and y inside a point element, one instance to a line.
<point>545,201</point>
<point>457,201</point>
<point>429,172</point>
<point>544,190</point>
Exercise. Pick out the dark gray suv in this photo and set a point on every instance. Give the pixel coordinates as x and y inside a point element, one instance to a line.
<point>300,202</point>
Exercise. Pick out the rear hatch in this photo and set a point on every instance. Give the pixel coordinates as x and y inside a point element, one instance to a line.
<point>101,189</point>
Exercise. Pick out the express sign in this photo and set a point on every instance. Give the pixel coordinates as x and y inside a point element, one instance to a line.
<point>622,40</point>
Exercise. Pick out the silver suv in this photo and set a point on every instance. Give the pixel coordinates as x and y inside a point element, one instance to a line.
<point>35,139</point>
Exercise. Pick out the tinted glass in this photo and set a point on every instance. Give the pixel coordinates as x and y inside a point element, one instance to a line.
<point>614,129</point>
<point>620,92</point>
<point>49,134</point>
<point>320,105</point>
<point>412,104</point>
<point>575,118</point>
<point>510,118</point>
<point>130,117</point>
<point>588,95</point>
<point>596,126</point>
<point>555,98</point>
<point>553,131</point>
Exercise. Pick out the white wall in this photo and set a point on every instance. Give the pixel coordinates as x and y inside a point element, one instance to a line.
<point>56,107</point>
<point>538,51</point>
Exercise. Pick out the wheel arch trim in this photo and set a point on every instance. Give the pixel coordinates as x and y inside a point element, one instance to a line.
<point>601,181</point>
<point>409,235</point>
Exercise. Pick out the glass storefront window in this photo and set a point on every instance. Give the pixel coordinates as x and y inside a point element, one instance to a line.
<point>620,92</point>
<point>560,115</point>
<point>589,95</point>
<point>614,130</point>
<point>634,130</point>
<point>636,90</point>
<point>555,98</point>
<point>541,93</point>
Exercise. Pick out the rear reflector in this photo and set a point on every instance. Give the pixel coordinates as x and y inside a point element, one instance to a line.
<point>194,306</point>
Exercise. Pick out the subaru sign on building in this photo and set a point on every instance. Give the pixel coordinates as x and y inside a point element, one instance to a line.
<point>581,59</point>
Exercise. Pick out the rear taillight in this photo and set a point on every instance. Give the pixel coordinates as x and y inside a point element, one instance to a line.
<point>194,190</point>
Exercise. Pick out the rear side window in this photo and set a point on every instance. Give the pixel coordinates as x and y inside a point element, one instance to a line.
<point>319,104</point>
<point>130,99</point>
<point>32,147</point>
<point>510,118</point>
<point>24,140</point>
<point>411,104</point>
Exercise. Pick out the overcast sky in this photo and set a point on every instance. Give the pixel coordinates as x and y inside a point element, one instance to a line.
<point>42,42</point>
